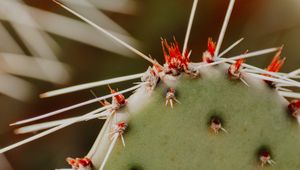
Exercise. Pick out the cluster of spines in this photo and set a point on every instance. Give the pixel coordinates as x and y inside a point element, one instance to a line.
<point>80,163</point>
<point>175,61</point>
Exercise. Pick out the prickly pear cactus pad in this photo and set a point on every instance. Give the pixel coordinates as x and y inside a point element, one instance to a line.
<point>182,138</point>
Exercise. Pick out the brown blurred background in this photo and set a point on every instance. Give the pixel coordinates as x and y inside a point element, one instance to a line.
<point>263,24</point>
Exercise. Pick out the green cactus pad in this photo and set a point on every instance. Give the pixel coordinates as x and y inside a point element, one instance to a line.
<point>162,138</point>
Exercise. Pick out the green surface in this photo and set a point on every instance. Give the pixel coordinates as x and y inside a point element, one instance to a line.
<point>161,138</point>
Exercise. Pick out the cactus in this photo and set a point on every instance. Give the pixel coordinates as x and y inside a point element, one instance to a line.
<point>185,138</point>
<point>215,114</point>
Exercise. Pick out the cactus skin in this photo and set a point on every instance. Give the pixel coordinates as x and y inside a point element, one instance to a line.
<point>159,137</point>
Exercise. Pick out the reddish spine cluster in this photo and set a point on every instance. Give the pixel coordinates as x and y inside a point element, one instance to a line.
<point>80,163</point>
<point>208,56</point>
<point>118,99</point>
<point>175,60</point>
<point>276,63</point>
<point>121,126</point>
<point>234,69</point>
<point>274,66</point>
<point>294,108</point>
<point>211,46</point>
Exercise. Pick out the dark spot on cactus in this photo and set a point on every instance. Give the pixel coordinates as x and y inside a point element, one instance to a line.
<point>264,150</point>
<point>216,125</point>
<point>215,117</point>
<point>216,121</point>
<point>136,167</point>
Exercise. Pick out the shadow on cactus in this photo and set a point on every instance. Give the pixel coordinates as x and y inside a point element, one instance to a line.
<point>220,113</point>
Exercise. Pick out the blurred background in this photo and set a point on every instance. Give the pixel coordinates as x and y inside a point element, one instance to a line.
<point>43,47</point>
